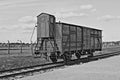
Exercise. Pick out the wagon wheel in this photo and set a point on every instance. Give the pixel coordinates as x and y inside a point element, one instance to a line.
<point>53,57</point>
<point>77,54</point>
<point>67,56</point>
<point>90,54</point>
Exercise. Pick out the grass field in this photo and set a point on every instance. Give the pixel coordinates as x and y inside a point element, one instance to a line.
<point>17,59</point>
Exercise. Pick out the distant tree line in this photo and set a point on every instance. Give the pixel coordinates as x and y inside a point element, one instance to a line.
<point>112,43</point>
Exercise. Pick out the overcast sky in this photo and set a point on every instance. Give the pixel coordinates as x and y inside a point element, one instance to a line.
<point>18,17</point>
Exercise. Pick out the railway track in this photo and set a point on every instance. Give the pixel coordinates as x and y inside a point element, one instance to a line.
<point>21,72</point>
<point>85,60</point>
<point>26,70</point>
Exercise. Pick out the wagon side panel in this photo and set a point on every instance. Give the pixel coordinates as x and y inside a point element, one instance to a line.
<point>65,37</point>
<point>79,38</point>
<point>73,38</point>
<point>59,36</point>
<point>86,39</point>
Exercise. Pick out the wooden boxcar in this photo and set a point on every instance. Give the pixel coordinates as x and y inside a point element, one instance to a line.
<point>58,39</point>
<point>71,37</point>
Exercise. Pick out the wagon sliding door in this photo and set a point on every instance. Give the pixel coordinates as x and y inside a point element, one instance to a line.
<point>72,38</point>
<point>92,37</point>
<point>96,41</point>
<point>86,39</point>
<point>65,38</point>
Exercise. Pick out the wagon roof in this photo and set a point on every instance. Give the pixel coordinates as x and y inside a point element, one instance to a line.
<point>76,25</point>
<point>45,13</point>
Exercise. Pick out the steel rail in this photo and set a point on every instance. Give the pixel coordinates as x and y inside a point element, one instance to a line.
<point>28,67</point>
<point>30,71</point>
<point>89,59</point>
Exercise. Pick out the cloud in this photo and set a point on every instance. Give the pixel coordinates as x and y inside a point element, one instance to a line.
<point>17,32</point>
<point>28,19</point>
<point>28,28</point>
<point>70,14</point>
<point>93,10</point>
<point>86,6</point>
<point>9,27</point>
<point>80,11</point>
<point>109,18</point>
<point>25,25</point>
<point>17,28</point>
<point>14,2</point>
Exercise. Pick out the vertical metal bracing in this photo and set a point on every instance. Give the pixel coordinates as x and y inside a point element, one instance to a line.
<point>42,46</point>
<point>82,45</point>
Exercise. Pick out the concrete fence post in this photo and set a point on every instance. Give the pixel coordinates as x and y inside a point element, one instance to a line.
<point>8,47</point>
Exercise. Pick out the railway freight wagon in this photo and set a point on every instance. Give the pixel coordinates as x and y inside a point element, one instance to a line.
<point>62,40</point>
